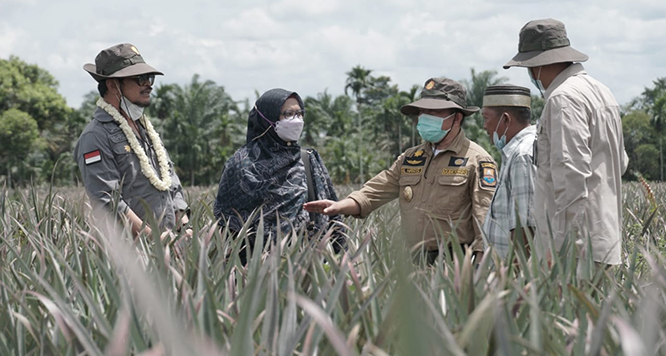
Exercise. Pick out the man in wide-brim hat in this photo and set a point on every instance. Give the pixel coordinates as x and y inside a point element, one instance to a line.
<point>506,118</point>
<point>119,153</point>
<point>580,149</point>
<point>444,185</point>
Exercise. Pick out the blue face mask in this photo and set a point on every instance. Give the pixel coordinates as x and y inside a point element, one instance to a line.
<point>500,142</point>
<point>537,82</point>
<point>430,127</point>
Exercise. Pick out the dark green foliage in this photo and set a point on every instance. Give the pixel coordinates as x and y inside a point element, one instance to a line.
<point>33,91</point>
<point>200,126</point>
<point>645,132</point>
<point>358,134</point>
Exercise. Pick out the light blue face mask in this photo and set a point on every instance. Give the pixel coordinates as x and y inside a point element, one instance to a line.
<point>430,127</point>
<point>500,142</point>
<point>537,82</point>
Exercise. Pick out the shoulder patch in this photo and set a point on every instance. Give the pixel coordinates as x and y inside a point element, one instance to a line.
<point>92,157</point>
<point>488,174</point>
<point>458,162</point>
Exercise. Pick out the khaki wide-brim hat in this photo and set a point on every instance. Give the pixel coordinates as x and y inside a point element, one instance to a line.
<point>544,42</point>
<point>440,93</point>
<point>119,61</point>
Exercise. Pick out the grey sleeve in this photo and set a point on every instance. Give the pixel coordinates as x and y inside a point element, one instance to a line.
<point>176,190</point>
<point>101,178</point>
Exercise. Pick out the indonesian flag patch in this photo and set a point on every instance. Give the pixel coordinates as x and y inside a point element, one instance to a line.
<point>92,157</point>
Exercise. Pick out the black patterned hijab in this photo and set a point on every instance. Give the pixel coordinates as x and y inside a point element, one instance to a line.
<point>266,172</point>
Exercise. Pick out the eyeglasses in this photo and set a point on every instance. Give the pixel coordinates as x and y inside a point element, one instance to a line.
<point>292,113</point>
<point>144,79</point>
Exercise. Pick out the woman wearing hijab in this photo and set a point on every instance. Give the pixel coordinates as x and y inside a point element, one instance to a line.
<point>268,173</point>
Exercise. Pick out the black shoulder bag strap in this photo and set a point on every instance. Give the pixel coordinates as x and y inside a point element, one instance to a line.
<point>305,157</point>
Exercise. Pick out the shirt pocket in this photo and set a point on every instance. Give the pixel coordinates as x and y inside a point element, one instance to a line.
<point>451,195</point>
<point>409,185</point>
<point>126,161</point>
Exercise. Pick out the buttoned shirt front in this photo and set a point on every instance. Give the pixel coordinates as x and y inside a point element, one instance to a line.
<point>436,193</point>
<point>580,161</point>
<point>513,201</point>
<point>114,172</point>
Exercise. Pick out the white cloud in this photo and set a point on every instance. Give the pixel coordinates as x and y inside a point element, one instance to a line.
<point>9,38</point>
<point>308,45</point>
<point>291,10</point>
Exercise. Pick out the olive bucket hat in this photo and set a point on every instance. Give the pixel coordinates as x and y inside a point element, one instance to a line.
<point>440,93</point>
<point>543,42</point>
<point>119,61</point>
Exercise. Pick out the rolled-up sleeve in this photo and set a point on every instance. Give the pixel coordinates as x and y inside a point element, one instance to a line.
<point>176,190</point>
<point>570,163</point>
<point>101,178</point>
<point>379,190</point>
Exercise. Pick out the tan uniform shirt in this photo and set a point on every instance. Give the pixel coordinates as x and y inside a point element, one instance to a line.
<point>453,188</point>
<point>580,160</point>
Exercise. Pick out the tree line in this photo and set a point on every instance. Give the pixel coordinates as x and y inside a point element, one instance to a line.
<point>358,133</point>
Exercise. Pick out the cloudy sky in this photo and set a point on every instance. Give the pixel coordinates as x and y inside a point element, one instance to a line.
<point>308,45</point>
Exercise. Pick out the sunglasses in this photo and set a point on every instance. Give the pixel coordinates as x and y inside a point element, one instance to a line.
<point>144,79</point>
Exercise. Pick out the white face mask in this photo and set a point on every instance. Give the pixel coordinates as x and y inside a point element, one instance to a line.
<point>290,128</point>
<point>134,111</point>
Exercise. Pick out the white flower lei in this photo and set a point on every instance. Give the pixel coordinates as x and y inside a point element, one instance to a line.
<point>146,168</point>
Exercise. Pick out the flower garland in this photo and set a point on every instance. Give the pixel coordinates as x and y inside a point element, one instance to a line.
<point>146,168</point>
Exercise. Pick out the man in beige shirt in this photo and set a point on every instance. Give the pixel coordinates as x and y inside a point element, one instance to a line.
<point>579,152</point>
<point>446,181</point>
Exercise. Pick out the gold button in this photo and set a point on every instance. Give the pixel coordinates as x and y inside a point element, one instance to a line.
<point>407,193</point>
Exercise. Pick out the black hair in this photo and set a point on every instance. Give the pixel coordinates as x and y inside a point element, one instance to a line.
<point>101,88</point>
<point>522,114</point>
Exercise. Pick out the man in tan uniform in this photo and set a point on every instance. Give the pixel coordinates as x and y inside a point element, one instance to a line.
<point>447,180</point>
<point>579,151</point>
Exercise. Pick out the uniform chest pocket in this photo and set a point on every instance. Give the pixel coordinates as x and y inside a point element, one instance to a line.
<point>121,148</point>
<point>409,187</point>
<point>126,161</point>
<point>452,192</point>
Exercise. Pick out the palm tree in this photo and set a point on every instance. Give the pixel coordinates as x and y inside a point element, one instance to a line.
<point>196,119</point>
<point>474,124</point>
<point>318,114</point>
<point>477,86</point>
<point>358,80</point>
